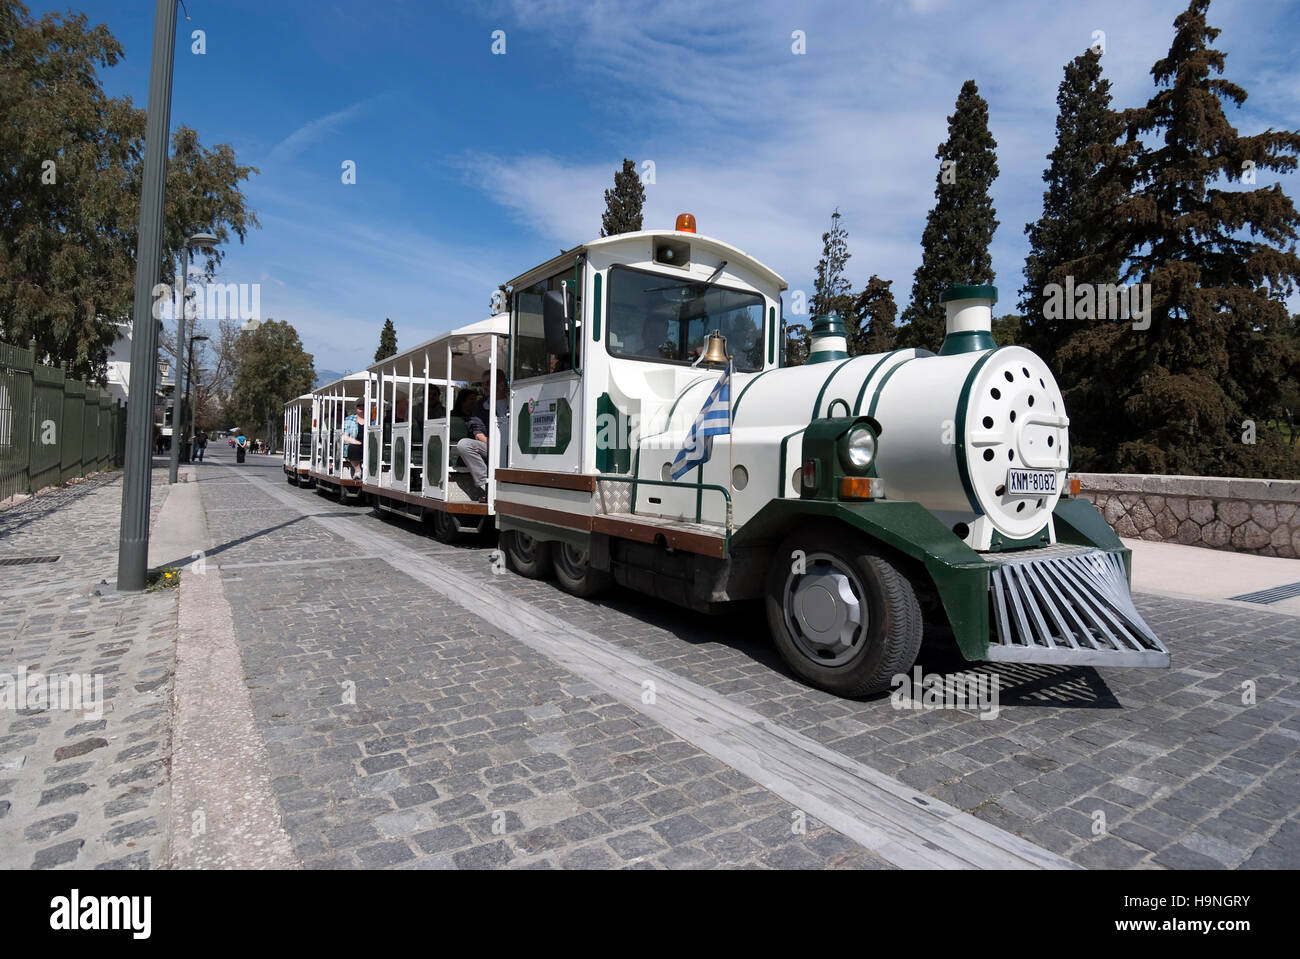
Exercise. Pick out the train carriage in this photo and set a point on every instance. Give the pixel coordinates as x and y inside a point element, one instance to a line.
<point>298,439</point>
<point>412,465</point>
<point>859,497</point>
<point>331,405</point>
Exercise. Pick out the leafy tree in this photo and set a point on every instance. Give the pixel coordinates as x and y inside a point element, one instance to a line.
<point>1009,330</point>
<point>70,190</point>
<point>623,203</point>
<point>272,369</point>
<point>958,230</point>
<point>798,342</point>
<point>1219,255</point>
<point>873,314</point>
<point>387,341</point>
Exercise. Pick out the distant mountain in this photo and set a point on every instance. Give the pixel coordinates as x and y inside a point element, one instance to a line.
<point>327,376</point>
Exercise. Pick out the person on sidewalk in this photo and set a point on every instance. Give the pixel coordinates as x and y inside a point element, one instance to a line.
<point>201,443</point>
<point>241,447</point>
<point>473,449</point>
<point>352,441</point>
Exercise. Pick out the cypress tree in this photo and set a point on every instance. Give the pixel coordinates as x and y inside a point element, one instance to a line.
<point>1077,234</point>
<point>873,314</point>
<point>1079,240</point>
<point>623,203</point>
<point>1219,254</point>
<point>387,341</point>
<point>959,228</point>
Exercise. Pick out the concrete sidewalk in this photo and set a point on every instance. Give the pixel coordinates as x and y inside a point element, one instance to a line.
<point>1194,572</point>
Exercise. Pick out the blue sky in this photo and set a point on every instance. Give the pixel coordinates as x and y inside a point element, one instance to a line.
<point>473,167</point>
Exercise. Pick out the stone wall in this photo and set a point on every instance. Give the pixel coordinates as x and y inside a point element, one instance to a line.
<point>1244,515</point>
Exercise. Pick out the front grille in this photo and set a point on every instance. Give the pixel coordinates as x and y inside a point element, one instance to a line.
<point>1069,605</point>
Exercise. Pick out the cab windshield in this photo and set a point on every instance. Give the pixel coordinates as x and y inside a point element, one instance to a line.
<point>667,319</point>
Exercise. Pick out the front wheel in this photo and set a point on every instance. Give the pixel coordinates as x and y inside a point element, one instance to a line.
<point>843,616</point>
<point>574,573</point>
<point>526,556</point>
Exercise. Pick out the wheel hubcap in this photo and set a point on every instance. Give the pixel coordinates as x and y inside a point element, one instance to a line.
<point>574,559</point>
<point>825,612</point>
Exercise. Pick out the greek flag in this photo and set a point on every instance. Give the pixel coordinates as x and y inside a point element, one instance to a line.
<point>714,420</point>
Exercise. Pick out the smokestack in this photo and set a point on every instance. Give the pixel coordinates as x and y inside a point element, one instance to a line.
<point>970,318</point>
<point>828,341</point>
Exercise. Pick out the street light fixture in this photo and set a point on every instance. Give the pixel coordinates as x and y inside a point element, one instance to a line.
<point>204,241</point>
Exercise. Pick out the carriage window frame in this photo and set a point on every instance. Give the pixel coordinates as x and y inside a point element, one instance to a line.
<point>575,275</point>
<point>762,304</point>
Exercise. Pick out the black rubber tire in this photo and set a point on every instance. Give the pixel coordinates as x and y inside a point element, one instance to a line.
<point>895,625</point>
<point>445,528</point>
<point>527,556</point>
<point>578,578</point>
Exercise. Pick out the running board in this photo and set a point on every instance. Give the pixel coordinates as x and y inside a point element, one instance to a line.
<point>1068,605</point>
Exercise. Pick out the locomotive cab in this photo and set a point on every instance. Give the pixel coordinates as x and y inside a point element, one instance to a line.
<point>839,491</point>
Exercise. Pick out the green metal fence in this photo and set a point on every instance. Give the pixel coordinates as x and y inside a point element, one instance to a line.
<point>53,428</point>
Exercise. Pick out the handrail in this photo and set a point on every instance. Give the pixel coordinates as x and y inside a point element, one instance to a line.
<point>726,494</point>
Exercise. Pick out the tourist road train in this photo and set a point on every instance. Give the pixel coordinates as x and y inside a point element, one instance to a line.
<point>859,498</point>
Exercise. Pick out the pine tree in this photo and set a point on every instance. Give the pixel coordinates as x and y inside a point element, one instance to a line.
<point>958,230</point>
<point>387,341</point>
<point>623,203</point>
<point>831,286</point>
<point>873,313</point>
<point>1219,255</point>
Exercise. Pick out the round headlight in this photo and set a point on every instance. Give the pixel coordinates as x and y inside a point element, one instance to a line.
<point>860,449</point>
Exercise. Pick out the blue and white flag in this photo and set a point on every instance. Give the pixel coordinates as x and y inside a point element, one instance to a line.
<point>714,420</point>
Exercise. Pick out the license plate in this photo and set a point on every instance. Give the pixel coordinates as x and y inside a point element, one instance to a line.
<point>1030,482</point>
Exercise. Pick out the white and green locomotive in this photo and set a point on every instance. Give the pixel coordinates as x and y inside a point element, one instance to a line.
<point>850,494</point>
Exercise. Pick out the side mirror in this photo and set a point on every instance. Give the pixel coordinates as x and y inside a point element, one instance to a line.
<point>557,309</point>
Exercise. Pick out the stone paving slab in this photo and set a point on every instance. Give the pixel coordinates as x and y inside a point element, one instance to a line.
<point>83,788</point>
<point>1113,767</point>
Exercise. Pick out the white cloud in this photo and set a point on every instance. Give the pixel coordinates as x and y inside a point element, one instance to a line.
<point>761,144</point>
<point>313,132</point>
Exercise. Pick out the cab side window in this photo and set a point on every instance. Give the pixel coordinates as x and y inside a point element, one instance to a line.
<point>531,357</point>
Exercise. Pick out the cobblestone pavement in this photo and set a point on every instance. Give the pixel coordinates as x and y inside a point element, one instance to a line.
<point>456,729</point>
<point>87,787</point>
<point>463,748</point>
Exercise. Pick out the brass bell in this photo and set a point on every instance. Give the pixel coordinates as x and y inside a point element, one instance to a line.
<point>716,351</point>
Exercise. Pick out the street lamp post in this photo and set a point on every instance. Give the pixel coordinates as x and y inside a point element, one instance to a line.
<point>204,241</point>
<point>189,378</point>
<point>133,535</point>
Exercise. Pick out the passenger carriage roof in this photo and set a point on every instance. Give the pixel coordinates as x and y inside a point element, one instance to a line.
<point>358,379</point>
<point>733,255</point>
<point>470,346</point>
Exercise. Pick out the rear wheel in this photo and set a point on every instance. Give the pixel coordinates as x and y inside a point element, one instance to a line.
<point>527,556</point>
<point>445,527</point>
<point>574,573</point>
<point>843,616</point>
